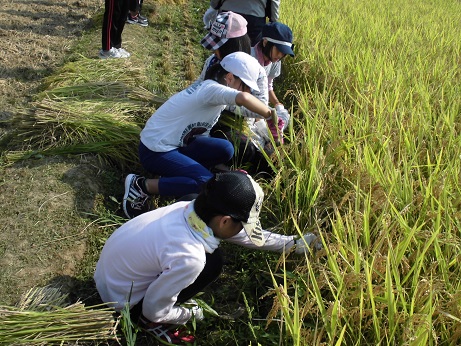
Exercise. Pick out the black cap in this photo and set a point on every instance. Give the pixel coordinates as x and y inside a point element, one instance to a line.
<point>236,194</point>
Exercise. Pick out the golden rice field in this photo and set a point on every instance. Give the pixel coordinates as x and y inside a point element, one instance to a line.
<point>371,163</point>
<point>375,164</point>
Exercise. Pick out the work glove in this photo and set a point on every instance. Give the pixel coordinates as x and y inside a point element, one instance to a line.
<point>283,114</point>
<point>261,131</point>
<point>209,17</point>
<point>308,241</point>
<point>276,130</point>
<point>197,312</point>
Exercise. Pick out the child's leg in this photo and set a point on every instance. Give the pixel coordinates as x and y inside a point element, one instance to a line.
<point>120,13</point>
<point>179,174</point>
<point>212,270</point>
<point>209,151</point>
<point>133,6</point>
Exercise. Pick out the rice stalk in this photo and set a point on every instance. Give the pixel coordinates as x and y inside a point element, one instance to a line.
<point>39,321</point>
<point>87,70</point>
<point>72,323</point>
<point>74,127</point>
<point>103,90</point>
<point>40,298</point>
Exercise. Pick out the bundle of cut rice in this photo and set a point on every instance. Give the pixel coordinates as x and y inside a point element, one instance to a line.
<point>41,319</point>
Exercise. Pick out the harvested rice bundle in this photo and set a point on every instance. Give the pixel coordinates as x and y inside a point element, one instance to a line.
<point>38,321</point>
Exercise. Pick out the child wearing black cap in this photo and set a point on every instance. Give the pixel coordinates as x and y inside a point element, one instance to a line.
<point>163,258</point>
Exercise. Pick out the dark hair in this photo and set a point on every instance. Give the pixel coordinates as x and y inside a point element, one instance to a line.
<point>202,209</point>
<point>236,44</point>
<point>216,73</point>
<point>267,49</point>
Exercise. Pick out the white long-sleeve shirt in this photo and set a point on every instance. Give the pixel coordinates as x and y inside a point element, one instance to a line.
<point>158,254</point>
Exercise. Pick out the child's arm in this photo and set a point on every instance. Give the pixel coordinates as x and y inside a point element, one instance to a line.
<point>253,104</point>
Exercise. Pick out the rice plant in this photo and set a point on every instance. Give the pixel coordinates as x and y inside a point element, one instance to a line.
<point>85,110</point>
<point>375,168</point>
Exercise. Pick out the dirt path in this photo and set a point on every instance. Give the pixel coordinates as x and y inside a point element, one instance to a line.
<point>35,36</point>
<point>40,233</point>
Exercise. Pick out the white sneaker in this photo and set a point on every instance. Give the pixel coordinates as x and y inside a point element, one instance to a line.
<point>123,53</point>
<point>112,53</point>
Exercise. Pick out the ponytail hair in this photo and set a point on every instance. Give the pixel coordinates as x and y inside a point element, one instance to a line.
<point>235,44</point>
<point>216,73</point>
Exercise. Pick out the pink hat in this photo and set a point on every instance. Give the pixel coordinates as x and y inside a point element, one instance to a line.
<point>227,25</point>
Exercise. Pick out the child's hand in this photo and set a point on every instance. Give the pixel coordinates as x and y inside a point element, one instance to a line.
<point>276,131</point>
<point>197,312</point>
<point>308,241</point>
<point>283,114</point>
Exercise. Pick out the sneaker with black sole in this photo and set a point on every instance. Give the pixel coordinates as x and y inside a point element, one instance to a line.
<point>135,200</point>
<point>167,334</point>
<point>136,20</point>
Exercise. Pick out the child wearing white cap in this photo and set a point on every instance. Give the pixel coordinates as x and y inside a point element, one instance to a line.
<point>223,38</point>
<point>175,142</point>
<point>165,257</point>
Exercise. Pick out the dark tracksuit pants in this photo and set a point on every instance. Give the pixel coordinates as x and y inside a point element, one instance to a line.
<point>212,270</point>
<point>114,21</point>
<point>135,5</point>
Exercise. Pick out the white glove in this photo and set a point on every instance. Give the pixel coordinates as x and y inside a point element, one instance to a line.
<point>197,312</point>
<point>283,114</point>
<point>260,128</point>
<point>309,240</point>
<point>209,17</point>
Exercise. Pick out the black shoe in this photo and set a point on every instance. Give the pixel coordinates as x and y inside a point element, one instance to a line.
<point>136,20</point>
<point>135,200</point>
<point>142,18</point>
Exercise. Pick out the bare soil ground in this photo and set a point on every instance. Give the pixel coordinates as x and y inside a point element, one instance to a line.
<point>42,234</point>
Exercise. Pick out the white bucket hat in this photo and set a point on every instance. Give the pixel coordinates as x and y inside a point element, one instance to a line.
<point>243,66</point>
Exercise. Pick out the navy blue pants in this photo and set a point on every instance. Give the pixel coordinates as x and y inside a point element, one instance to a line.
<point>184,170</point>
